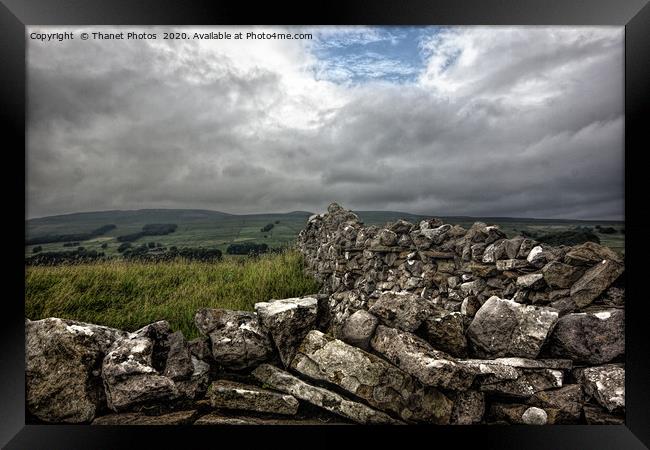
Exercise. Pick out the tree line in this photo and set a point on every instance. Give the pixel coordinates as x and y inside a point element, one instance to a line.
<point>150,229</point>
<point>74,237</point>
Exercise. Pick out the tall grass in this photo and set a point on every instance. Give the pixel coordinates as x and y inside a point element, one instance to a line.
<point>129,295</point>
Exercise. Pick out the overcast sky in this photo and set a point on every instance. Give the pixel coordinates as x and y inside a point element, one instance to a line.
<point>480,121</point>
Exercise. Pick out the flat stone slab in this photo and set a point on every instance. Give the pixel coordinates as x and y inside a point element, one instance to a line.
<point>369,377</point>
<point>232,395</point>
<point>416,357</point>
<point>285,382</point>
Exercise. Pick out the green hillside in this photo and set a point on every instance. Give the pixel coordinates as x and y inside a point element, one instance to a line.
<point>213,229</point>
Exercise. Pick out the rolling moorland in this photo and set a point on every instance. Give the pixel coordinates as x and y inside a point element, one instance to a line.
<point>213,229</point>
<point>128,294</point>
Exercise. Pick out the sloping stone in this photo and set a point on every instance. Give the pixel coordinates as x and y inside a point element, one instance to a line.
<point>224,394</point>
<point>173,418</point>
<point>531,281</point>
<point>238,341</point>
<point>567,400</point>
<point>402,310</point>
<point>285,382</point>
<point>606,384</point>
<point>416,357</point>
<point>62,368</point>
<point>288,321</point>
<point>560,275</point>
<point>591,338</point>
<point>589,254</point>
<point>595,281</point>
<point>359,329</point>
<point>380,384</point>
<point>506,328</point>
<point>526,385</point>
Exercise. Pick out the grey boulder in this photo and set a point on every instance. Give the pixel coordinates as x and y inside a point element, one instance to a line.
<point>238,341</point>
<point>359,329</point>
<point>403,310</point>
<point>288,321</point>
<point>130,378</point>
<point>605,384</point>
<point>62,368</point>
<point>591,338</point>
<point>506,328</point>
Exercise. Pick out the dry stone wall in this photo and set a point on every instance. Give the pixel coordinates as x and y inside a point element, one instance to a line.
<point>415,323</point>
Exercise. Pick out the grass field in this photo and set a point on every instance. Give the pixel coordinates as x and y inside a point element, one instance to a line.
<point>129,295</point>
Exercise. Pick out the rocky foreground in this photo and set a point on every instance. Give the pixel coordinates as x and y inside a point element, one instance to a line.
<point>416,323</point>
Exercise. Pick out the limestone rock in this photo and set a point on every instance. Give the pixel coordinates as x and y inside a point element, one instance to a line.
<point>567,400</point>
<point>591,338</point>
<point>225,394</point>
<point>606,384</point>
<point>506,328</point>
<point>130,378</point>
<point>285,382</point>
<point>195,385</point>
<point>380,384</point>
<point>589,254</point>
<point>62,368</point>
<point>339,307</point>
<point>402,310</point>
<point>288,321</point>
<point>525,385</point>
<point>359,329</point>
<point>595,281</point>
<point>446,331</point>
<point>178,365</point>
<point>595,415</point>
<point>238,341</point>
<point>469,408</point>
<point>560,275</point>
<point>416,357</point>
<point>531,281</point>
<point>534,416</point>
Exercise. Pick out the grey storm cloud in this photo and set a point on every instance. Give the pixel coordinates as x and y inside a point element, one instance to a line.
<point>526,122</point>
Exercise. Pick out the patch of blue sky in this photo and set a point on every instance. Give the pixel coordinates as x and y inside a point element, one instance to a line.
<point>354,55</point>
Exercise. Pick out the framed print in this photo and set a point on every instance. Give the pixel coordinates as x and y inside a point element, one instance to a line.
<point>271,223</point>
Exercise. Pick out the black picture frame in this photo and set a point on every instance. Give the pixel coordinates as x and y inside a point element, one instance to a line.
<point>633,14</point>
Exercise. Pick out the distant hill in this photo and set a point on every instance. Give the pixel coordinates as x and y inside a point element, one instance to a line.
<point>197,227</point>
